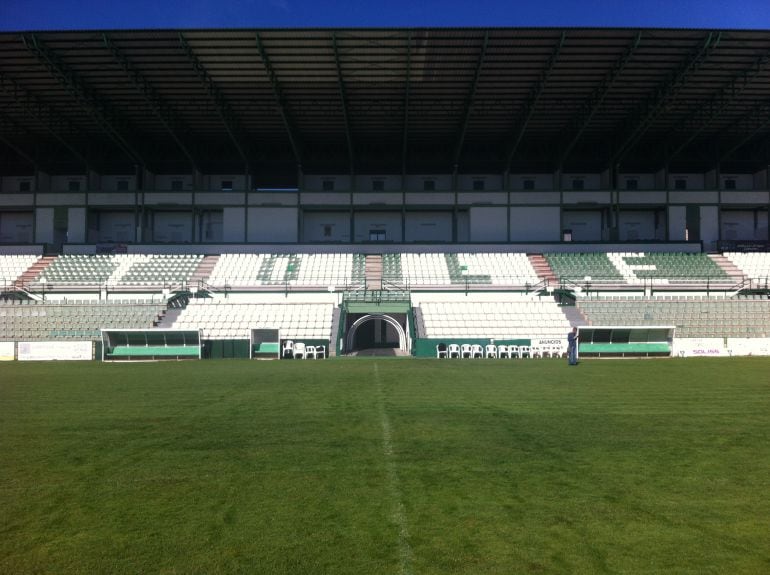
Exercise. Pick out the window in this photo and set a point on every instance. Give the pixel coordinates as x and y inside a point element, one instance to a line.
<point>176,185</point>
<point>528,184</point>
<point>730,184</point>
<point>632,184</point>
<point>25,186</point>
<point>327,230</point>
<point>378,185</point>
<point>327,185</point>
<point>680,184</point>
<point>478,185</point>
<point>429,185</point>
<point>73,186</point>
<point>578,184</point>
<point>376,235</point>
<point>122,185</point>
<point>227,185</point>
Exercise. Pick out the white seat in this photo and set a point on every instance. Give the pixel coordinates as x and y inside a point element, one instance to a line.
<point>525,351</point>
<point>490,350</point>
<point>441,351</point>
<point>454,350</point>
<point>466,350</point>
<point>310,352</point>
<point>502,351</point>
<point>514,351</point>
<point>288,348</point>
<point>298,351</point>
<point>477,351</point>
<point>320,352</point>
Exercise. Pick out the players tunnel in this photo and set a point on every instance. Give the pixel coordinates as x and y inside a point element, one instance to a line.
<point>376,331</point>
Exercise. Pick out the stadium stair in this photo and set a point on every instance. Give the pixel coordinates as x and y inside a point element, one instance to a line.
<point>574,316</point>
<point>374,272</point>
<point>542,268</point>
<point>31,275</point>
<point>728,267</point>
<point>204,269</point>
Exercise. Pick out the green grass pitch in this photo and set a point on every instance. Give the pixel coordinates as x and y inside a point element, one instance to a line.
<point>378,466</point>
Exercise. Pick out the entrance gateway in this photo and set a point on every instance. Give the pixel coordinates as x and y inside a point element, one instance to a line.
<point>376,321</point>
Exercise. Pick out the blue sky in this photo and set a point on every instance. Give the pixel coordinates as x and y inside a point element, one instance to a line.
<point>110,14</point>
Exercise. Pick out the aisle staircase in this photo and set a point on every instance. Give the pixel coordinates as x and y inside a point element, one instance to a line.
<point>373,272</point>
<point>543,268</point>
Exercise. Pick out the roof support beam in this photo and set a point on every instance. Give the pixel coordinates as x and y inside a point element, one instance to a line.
<point>469,105</point>
<point>529,107</point>
<point>757,121</point>
<point>343,97</point>
<point>596,99</point>
<point>223,108</point>
<point>42,114</point>
<point>88,99</point>
<point>281,102</point>
<point>407,89</point>
<point>158,105</point>
<point>7,121</point>
<point>704,115</point>
<point>656,103</point>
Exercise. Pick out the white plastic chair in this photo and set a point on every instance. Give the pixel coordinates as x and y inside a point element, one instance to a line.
<point>454,350</point>
<point>525,351</point>
<point>466,351</point>
<point>490,350</point>
<point>441,351</point>
<point>310,352</point>
<point>502,351</point>
<point>288,349</point>
<point>320,352</point>
<point>513,352</point>
<point>298,351</point>
<point>477,351</point>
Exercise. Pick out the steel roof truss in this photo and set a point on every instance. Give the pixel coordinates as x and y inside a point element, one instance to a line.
<point>531,104</point>
<point>294,139</point>
<point>596,99</point>
<point>158,105</point>
<point>229,120</point>
<point>343,98</point>
<point>655,104</point>
<point>88,99</point>
<point>460,138</point>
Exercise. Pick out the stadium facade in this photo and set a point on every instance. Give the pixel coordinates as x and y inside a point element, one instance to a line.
<point>183,193</point>
<point>405,136</point>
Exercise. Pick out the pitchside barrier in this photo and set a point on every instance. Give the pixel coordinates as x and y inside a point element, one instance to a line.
<point>150,344</point>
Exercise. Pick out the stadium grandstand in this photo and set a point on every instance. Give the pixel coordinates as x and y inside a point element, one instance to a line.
<point>429,191</point>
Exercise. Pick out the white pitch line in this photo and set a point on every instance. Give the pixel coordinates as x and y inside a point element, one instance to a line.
<point>396,497</point>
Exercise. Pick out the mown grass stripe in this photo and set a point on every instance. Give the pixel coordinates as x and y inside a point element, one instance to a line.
<point>397,499</point>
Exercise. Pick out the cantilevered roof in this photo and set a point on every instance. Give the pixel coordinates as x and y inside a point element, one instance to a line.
<point>421,100</point>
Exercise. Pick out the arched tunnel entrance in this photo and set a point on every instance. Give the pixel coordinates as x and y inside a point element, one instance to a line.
<point>376,334</point>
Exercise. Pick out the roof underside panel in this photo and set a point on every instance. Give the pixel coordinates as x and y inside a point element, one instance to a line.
<point>274,102</point>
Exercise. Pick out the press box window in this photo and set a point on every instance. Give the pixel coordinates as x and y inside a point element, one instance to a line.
<point>25,186</point>
<point>176,185</point>
<point>632,184</point>
<point>429,185</point>
<point>327,231</point>
<point>376,235</point>
<point>578,184</point>
<point>680,184</point>
<point>73,186</point>
<point>122,185</point>
<point>730,184</point>
<point>327,185</point>
<point>528,184</point>
<point>227,185</point>
<point>378,185</point>
<point>478,185</point>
